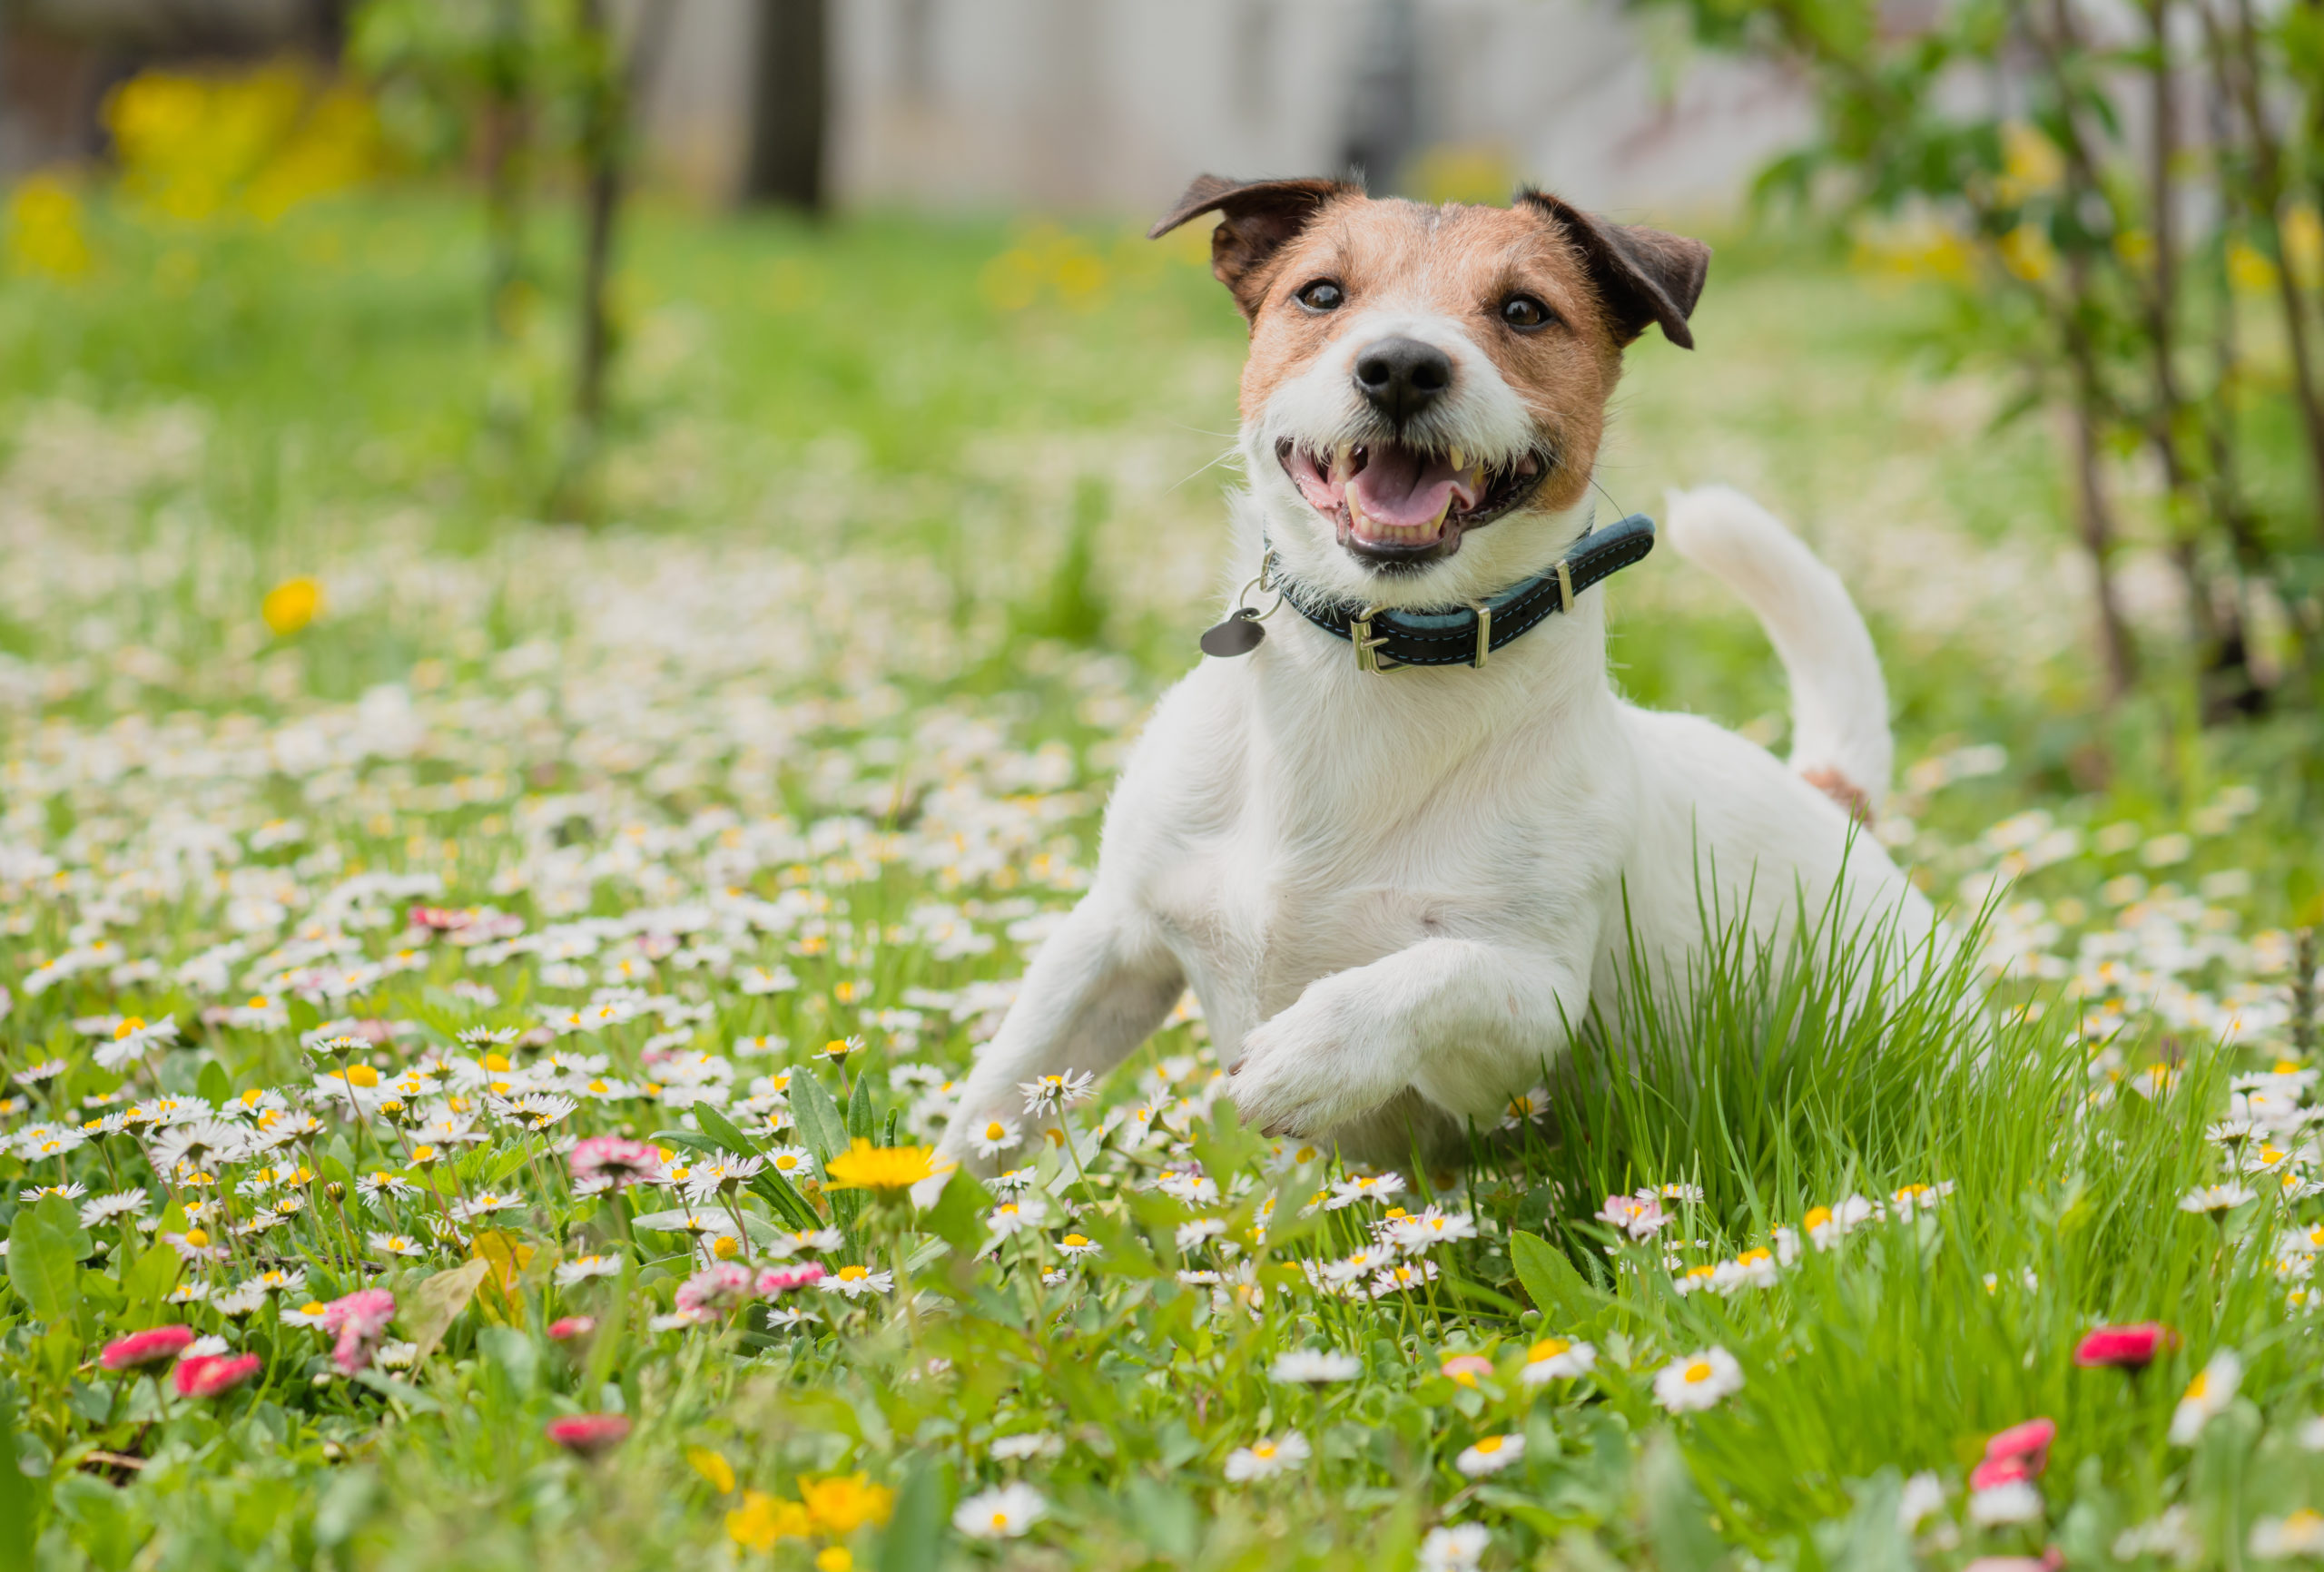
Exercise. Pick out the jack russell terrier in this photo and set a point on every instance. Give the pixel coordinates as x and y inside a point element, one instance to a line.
<point>1398,838</point>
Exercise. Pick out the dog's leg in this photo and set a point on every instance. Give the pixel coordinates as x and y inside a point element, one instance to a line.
<point>1099,987</point>
<point>1463,1022</point>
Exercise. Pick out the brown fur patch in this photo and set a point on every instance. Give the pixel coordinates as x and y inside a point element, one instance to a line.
<point>1463,263</point>
<point>1842,791</point>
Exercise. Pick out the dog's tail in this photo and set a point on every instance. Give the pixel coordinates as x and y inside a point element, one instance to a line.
<point>1839,705</point>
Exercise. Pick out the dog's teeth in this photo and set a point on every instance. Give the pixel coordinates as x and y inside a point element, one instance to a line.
<point>1355,511</point>
<point>1459,459</point>
<point>1340,458</point>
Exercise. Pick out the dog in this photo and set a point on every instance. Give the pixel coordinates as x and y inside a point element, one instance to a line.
<point>1395,843</point>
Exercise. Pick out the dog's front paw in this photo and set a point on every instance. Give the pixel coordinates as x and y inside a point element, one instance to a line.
<point>1317,1065</point>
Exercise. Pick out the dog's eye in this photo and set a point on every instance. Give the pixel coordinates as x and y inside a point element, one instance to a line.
<point>1525,313</point>
<point>1322,295</point>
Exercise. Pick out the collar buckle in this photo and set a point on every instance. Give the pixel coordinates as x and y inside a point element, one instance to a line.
<point>1367,648</point>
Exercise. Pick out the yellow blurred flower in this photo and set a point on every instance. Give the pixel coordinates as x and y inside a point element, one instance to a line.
<point>863,1166</point>
<point>2026,252</point>
<point>1047,260</point>
<point>44,233</point>
<point>761,1519</point>
<point>292,605</point>
<point>2249,268</point>
<point>834,1558</point>
<point>2136,248</point>
<point>713,1466</point>
<point>195,149</point>
<point>2031,164</point>
<point>1922,247</point>
<point>2303,241</point>
<point>844,1502</point>
<point>1464,172</point>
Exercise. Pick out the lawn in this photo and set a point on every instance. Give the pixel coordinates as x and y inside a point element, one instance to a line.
<point>452,956</point>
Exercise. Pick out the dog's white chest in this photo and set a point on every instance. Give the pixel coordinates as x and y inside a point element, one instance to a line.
<point>1274,892</point>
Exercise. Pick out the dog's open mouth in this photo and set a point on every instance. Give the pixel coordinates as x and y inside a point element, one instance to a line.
<point>1393,504</point>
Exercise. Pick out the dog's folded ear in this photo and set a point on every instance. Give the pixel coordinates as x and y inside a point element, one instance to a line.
<point>1255,220</point>
<point>1642,275</point>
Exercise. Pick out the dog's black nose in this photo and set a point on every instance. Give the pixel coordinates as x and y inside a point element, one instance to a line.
<point>1402,377</point>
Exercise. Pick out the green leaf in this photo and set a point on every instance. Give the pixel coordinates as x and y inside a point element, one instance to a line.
<point>347,1502</point>
<point>437,1302</point>
<point>21,1496</point>
<point>1556,1289</point>
<point>788,1204</point>
<point>402,1391</point>
<point>862,1121</point>
<point>721,1129</point>
<point>1479,1292</point>
<point>1678,1523</point>
<point>215,1087</point>
<point>957,1217</point>
<point>818,1115</point>
<point>45,1244</point>
<point>915,1535</point>
<point>147,1281</point>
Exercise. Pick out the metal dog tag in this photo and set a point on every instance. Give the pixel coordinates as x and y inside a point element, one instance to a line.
<point>1239,634</point>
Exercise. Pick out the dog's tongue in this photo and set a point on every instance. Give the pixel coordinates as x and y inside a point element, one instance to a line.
<point>1397,486</point>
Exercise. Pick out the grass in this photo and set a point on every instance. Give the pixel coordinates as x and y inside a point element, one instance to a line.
<point>804,741</point>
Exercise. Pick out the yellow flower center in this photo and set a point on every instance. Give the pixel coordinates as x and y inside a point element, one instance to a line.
<point>312,1307</point>
<point>362,1075</point>
<point>1818,1216</point>
<point>1548,1348</point>
<point>993,1131</point>
<point>1698,1371</point>
<point>853,1273</point>
<point>1262,1451</point>
<point>1490,1445</point>
<point>128,1024</point>
<point>728,1247</point>
<point>197,1237</point>
<point>1075,1241</point>
<point>2199,1385</point>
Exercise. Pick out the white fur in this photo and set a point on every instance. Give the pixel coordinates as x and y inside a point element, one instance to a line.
<point>1840,703</point>
<point>1393,893</point>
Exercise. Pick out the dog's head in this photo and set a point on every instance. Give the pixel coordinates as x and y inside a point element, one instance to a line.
<point>1420,373</point>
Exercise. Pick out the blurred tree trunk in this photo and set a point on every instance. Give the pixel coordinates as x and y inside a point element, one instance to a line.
<point>602,125</point>
<point>614,79</point>
<point>507,135</point>
<point>1383,126</point>
<point>790,105</point>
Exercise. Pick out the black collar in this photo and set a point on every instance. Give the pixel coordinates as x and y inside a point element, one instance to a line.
<point>1386,640</point>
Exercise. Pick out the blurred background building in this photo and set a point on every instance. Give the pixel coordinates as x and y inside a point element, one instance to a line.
<point>1062,103</point>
